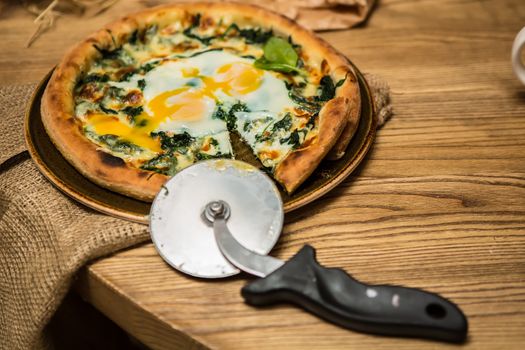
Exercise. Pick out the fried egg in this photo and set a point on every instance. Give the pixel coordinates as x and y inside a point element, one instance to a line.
<point>182,94</point>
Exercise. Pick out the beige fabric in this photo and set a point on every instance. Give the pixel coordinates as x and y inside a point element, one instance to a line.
<point>313,14</point>
<point>381,98</point>
<point>45,237</point>
<point>12,108</point>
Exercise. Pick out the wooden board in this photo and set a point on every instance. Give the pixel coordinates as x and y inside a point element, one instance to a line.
<point>439,204</point>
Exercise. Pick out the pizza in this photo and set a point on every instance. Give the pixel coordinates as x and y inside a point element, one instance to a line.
<point>161,89</point>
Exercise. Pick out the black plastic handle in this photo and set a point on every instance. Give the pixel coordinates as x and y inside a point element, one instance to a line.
<point>337,297</point>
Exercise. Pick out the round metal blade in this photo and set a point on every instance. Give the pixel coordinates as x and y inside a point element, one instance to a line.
<point>185,239</point>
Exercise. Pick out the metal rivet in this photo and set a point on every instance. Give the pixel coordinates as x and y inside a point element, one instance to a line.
<point>214,210</point>
<point>216,207</point>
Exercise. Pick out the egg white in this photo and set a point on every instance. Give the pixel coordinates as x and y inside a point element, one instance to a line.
<point>271,96</point>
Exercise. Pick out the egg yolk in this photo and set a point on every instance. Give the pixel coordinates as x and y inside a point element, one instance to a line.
<point>184,103</point>
<point>179,104</point>
<point>239,77</point>
<point>108,125</point>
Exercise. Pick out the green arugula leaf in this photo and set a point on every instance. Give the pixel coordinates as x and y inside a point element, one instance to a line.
<point>279,55</point>
<point>262,63</point>
<point>280,51</point>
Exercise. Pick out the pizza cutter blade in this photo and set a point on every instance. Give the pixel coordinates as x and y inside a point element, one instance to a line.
<point>218,215</point>
<point>185,239</point>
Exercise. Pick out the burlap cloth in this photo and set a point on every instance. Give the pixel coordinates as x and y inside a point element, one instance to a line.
<point>45,237</point>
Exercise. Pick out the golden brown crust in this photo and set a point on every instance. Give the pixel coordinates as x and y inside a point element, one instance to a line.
<point>333,120</point>
<point>353,120</point>
<point>65,130</point>
<point>111,172</point>
<point>299,165</point>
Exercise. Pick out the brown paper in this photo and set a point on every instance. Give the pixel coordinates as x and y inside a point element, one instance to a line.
<point>313,14</point>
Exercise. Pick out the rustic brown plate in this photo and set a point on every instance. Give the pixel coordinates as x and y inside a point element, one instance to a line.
<point>67,179</point>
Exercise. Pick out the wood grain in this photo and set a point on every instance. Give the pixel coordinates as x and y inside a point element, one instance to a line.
<point>439,203</point>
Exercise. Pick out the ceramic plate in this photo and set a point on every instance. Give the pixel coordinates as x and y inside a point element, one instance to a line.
<point>64,176</point>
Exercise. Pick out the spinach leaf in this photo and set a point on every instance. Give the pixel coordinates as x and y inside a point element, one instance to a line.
<point>313,104</point>
<point>232,119</point>
<point>163,163</point>
<point>198,53</point>
<point>251,35</point>
<point>204,156</point>
<point>229,117</point>
<point>95,78</point>
<point>195,23</point>
<point>142,84</point>
<point>193,82</point>
<point>107,110</point>
<point>295,46</point>
<point>220,114</point>
<point>204,51</point>
<point>170,143</point>
<point>294,139</point>
<point>132,112</point>
<point>327,89</point>
<point>172,170</point>
<point>311,121</point>
<point>118,145</point>
<point>116,93</point>
<point>148,66</point>
<point>203,39</point>
<point>160,161</point>
<point>107,53</point>
<point>304,103</point>
<point>256,36</point>
<point>133,37</point>
<point>285,123</point>
<point>340,82</point>
<point>127,75</point>
<point>265,135</point>
<point>279,55</point>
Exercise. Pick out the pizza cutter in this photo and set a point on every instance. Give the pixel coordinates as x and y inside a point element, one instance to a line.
<point>218,217</point>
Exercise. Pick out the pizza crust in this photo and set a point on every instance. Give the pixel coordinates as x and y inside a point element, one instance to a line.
<point>299,165</point>
<point>65,131</point>
<point>354,114</point>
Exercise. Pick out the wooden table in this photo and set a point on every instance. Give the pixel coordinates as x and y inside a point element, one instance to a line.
<point>438,204</point>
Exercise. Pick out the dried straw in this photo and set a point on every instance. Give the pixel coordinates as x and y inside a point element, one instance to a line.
<point>47,12</point>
